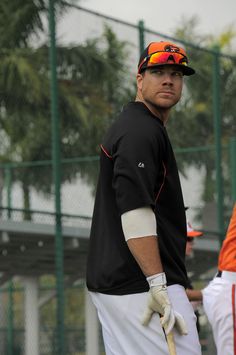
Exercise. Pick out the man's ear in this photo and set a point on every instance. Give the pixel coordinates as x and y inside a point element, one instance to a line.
<point>139,80</point>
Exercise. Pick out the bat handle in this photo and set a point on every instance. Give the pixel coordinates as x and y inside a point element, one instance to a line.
<point>171,343</point>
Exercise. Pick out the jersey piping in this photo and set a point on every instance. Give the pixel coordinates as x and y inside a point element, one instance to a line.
<point>162,182</point>
<point>105,152</point>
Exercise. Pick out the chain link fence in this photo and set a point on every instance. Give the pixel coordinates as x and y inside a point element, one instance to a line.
<point>12,325</point>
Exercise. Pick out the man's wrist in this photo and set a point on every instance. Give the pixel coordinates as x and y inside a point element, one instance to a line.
<point>157,279</point>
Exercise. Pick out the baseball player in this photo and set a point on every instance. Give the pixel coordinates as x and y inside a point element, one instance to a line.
<point>219,297</point>
<point>136,263</point>
<point>195,296</point>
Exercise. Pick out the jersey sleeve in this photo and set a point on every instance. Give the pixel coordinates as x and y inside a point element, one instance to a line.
<point>227,256</point>
<point>136,167</point>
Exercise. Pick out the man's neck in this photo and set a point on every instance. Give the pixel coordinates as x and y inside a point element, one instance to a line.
<point>162,114</point>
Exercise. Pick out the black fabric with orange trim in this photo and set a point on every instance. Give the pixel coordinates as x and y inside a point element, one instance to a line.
<point>136,152</point>
<point>163,53</point>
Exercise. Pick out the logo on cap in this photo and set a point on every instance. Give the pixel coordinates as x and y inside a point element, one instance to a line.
<point>171,48</point>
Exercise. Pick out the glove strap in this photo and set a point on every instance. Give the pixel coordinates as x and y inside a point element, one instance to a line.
<point>157,280</point>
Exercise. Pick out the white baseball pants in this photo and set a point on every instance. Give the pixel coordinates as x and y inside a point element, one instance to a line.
<point>219,305</point>
<point>123,333</point>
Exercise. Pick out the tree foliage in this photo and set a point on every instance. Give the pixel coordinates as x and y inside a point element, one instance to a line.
<point>193,121</point>
<point>90,81</point>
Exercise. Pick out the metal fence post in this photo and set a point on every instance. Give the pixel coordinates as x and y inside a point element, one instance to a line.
<point>10,314</point>
<point>10,320</point>
<point>56,164</point>
<point>8,185</point>
<point>233,167</point>
<point>218,149</point>
<point>141,36</point>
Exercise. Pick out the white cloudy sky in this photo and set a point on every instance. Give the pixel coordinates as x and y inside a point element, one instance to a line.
<point>164,16</point>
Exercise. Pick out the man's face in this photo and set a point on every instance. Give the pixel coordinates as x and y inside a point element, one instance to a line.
<point>161,86</point>
<point>189,246</point>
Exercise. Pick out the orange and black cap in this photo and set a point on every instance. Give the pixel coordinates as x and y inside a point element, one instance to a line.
<point>164,53</point>
<point>191,232</point>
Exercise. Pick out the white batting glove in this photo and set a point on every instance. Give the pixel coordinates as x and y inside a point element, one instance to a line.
<point>158,302</point>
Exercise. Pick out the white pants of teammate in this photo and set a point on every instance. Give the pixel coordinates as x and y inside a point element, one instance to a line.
<point>123,333</point>
<point>219,306</point>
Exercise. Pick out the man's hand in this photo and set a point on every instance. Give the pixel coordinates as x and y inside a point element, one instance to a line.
<point>158,301</point>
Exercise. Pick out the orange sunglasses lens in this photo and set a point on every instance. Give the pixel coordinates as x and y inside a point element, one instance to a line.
<point>164,57</point>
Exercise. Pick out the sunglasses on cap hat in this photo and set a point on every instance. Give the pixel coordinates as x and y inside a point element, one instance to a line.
<point>163,58</point>
<point>162,53</point>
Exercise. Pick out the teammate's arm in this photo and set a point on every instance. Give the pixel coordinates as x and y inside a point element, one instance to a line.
<point>194,295</point>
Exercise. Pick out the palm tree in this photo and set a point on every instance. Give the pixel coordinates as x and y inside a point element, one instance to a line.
<point>89,90</point>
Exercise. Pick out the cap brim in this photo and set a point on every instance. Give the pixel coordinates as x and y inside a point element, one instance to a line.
<point>186,70</point>
<point>193,234</point>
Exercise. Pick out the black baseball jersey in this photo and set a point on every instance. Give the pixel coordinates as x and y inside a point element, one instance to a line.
<point>137,169</point>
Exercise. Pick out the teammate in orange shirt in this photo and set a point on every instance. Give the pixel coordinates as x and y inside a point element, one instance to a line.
<point>219,297</point>
<point>227,257</point>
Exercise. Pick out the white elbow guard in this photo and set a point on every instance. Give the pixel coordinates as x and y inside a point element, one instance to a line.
<point>139,223</point>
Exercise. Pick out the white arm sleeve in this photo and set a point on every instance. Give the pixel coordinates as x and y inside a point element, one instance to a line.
<point>139,223</point>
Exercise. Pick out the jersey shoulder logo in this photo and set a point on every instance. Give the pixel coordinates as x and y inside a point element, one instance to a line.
<point>141,165</point>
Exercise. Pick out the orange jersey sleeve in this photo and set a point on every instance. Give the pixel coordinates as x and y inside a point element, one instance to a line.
<point>227,256</point>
